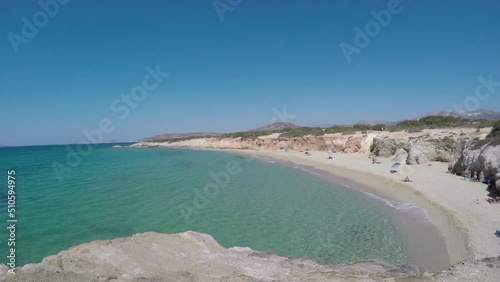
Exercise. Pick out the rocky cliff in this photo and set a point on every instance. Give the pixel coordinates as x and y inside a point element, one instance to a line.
<point>463,148</point>
<point>474,153</point>
<point>481,155</point>
<point>192,256</point>
<point>339,143</point>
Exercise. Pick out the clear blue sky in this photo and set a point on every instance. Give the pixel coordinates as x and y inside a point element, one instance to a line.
<point>229,75</point>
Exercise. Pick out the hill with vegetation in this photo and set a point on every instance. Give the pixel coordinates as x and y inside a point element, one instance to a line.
<point>411,126</point>
<point>289,130</point>
<point>276,126</point>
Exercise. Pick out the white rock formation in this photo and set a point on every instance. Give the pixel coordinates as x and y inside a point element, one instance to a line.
<point>192,256</point>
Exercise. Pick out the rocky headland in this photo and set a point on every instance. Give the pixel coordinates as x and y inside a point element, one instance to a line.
<point>463,148</point>
<point>191,256</point>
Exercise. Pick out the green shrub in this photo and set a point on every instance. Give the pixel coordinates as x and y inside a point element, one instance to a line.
<point>431,122</point>
<point>303,131</point>
<point>379,127</point>
<point>495,131</point>
<point>246,135</point>
<point>344,129</point>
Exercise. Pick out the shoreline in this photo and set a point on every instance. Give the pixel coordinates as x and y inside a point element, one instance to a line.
<point>427,243</point>
<point>440,220</point>
<point>468,224</point>
<point>427,246</point>
<point>358,169</point>
<point>466,230</point>
<point>457,208</point>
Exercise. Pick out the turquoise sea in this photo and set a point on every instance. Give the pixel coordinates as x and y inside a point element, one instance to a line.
<point>256,203</point>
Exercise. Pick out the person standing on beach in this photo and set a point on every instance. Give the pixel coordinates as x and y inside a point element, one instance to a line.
<point>466,173</point>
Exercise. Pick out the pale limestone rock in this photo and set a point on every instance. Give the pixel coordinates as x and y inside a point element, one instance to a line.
<point>484,156</point>
<point>423,149</point>
<point>192,256</point>
<point>386,147</point>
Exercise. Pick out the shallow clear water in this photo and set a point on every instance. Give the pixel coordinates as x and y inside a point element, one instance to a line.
<point>117,192</point>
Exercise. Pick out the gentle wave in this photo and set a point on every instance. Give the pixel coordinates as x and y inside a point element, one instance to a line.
<point>420,213</point>
<point>403,207</point>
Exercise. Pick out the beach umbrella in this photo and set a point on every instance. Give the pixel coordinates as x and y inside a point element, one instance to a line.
<point>395,165</point>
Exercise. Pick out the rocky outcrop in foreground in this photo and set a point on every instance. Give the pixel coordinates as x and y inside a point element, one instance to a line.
<point>192,256</point>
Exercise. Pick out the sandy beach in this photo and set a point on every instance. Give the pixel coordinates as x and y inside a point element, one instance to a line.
<point>458,208</point>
